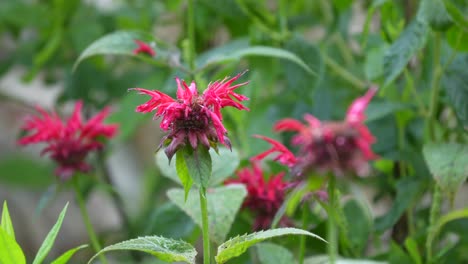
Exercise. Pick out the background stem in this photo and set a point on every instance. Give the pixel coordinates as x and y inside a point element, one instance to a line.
<point>191,35</point>
<point>205,227</point>
<point>89,227</point>
<point>332,235</point>
<point>434,215</point>
<point>302,246</point>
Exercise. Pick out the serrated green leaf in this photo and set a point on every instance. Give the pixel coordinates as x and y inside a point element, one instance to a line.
<point>116,43</point>
<point>236,246</point>
<point>166,249</point>
<point>6,223</point>
<point>237,52</point>
<point>269,253</point>
<point>10,251</point>
<point>455,82</point>
<point>224,163</point>
<point>396,58</point>
<point>223,204</point>
<point>434,13</point>
<point>65,257</point>
<point>50,238</point>
<point>448,164</point>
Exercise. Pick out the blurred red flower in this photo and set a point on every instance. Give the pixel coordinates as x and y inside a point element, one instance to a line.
<point>143,48</point>
<point>327,145</point>
<point>68,143</point>
<point>264,197</point>
<point>193,118</point>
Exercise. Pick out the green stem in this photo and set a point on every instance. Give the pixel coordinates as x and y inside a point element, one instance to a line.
<point>87,222</point>
<point>435,90</point>
<point>434,215</point>
<point>205,228</point>
<point>283,17</point>
<point>191,35</point>
<point>305,219</point>
<point>332,234</point>
<point>343,73</point>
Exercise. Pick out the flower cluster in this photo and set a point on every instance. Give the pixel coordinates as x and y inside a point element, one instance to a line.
<point>193,118</point>
<point>326,146</point>
<point>264,197</point>
<point>68,143</point>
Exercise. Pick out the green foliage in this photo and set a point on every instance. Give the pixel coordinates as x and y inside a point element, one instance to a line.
<point>196,163</point>
<point>50,238</point>
<point>23,171</point>
<point>448,163</point>
<point>223,205</point>
<point>224,163</point>
<point>238,245</point>
<point>166,249</point>
<point>272,253</point>
<point>396,58</point>
<point>433,11</point>
<point>455,81</point>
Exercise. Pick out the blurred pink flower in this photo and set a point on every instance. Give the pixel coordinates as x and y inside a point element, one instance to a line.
<point>68,142</point>
<point>193,118</point>
<point>326,145</point>
<point>143,48</point>
<point>264,197</point>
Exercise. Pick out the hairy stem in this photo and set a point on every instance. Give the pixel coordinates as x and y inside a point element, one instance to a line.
<point>435,89</point>
<point>332,234</point>
<point>205,227</point>
<point>305,219</point>
<point>434,215</point>
<point>87,222</point>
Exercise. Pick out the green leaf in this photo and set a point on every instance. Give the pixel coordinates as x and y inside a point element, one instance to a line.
<point>166,249</point>
<point>408,191</point>
<point>236,246</point>
<point>457,38</point>
<point>412,248</point>
<point>434,13</point>
<point>269,253</point>
<point>241,50</point>
<point>448,164</point>
<point>442,221</point>
<point>116,43</point>
<point>224,163</point>
<point>456,14</point>
<point>396,58</point>
<point>455,81</point>
<point>50,238</point>
<point>223,204</point>
<point>65,257</point>
<point>380,109</point>
<point>183,172</point>
<point>198,162</point>
<point>297,79</point>
<point>6,223</point>
<point>10,251</point>
<point>359,225</point>
<point>373,65</point>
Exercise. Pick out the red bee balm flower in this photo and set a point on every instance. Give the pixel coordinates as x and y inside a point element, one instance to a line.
<point>143,48</point>
<point>68,142</point>
<point>264,197</point>
<point>330,146</point>
<point>193,118</point>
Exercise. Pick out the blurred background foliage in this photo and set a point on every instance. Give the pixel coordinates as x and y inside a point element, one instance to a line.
<point>347,45</point>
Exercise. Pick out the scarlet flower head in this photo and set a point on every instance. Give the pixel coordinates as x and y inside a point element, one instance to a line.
<point>68,143</point>
<point>193,118</point>
<point>143,48</point>
<point>285,156</point>
<point>333,146</point>
<point>264,197</point>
